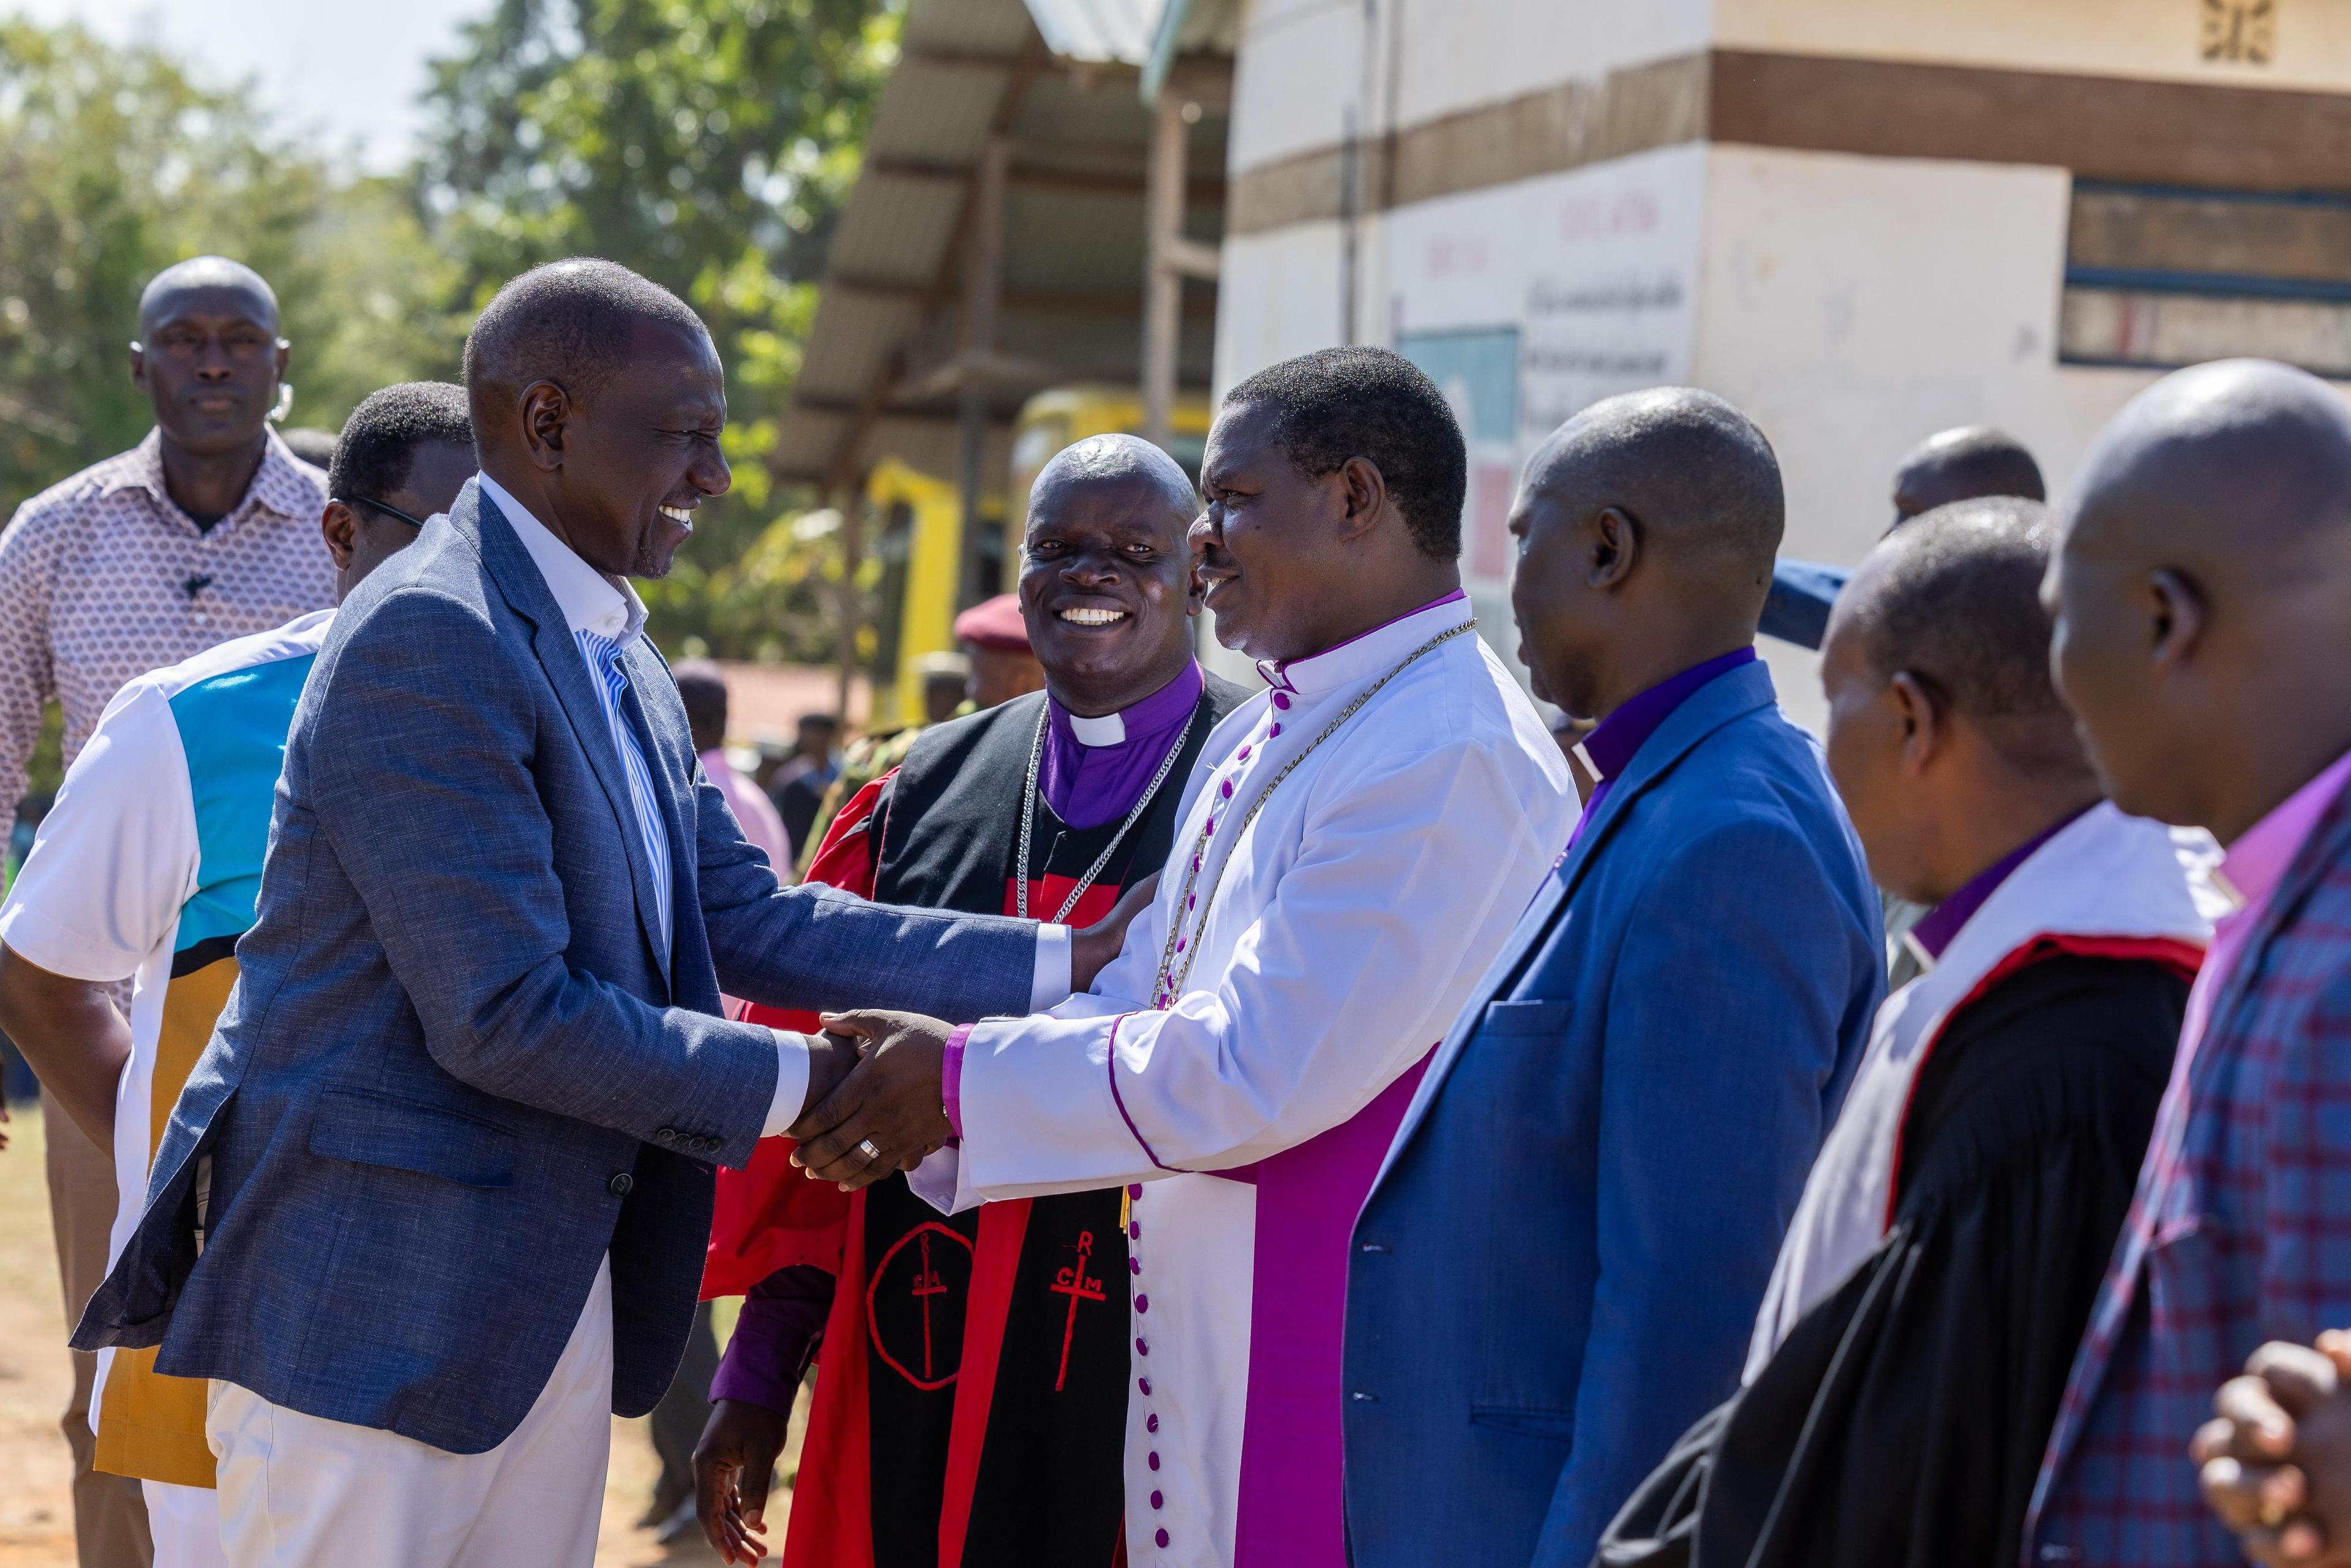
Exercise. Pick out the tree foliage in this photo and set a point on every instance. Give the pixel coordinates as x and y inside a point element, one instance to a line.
<point>707,143</point>
<point>114,163</point>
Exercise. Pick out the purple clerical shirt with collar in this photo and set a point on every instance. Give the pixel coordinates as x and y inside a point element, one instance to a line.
<point>1615,741</point>
<point>1935,930</point>
<point>1095,770</point>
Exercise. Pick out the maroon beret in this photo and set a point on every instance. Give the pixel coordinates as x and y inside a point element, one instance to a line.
<point>994,623</point>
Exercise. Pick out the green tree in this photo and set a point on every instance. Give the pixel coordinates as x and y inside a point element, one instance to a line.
<point>707,143</point>
<point>114,163</point>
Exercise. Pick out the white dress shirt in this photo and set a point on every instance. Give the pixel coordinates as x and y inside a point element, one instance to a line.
<point>605,615</point>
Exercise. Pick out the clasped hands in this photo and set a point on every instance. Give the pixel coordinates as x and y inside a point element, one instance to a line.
<point>876,1100</point>
<point>874,1084</point>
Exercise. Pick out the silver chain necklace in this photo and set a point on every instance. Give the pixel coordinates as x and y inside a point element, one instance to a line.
<point>1028,815</point>
<point>1172,979</point>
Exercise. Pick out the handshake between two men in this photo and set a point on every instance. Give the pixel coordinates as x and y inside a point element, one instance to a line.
<point>879,1081</point>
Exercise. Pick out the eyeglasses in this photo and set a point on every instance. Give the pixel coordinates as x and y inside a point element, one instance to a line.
<point>380,507</point>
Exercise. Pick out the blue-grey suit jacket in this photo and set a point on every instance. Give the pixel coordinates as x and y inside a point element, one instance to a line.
<point>1559,1266</point>
<point>454,1075</point>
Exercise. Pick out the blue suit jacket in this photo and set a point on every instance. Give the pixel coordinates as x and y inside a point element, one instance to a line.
<point>454,1075</point>
<point>1559,1266</point>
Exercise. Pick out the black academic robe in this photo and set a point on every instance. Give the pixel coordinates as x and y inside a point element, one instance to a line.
<point>1901,1423</point>
<point>987,1391</point>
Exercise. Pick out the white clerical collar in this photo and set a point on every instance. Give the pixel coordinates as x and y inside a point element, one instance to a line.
<point>1108,730</point>
<point>590,601</point>
<point>1369,655</point>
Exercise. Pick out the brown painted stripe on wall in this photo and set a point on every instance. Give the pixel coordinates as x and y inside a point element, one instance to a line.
<point>2174,132</point>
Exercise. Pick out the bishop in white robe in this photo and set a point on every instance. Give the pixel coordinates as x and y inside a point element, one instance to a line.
<point>1357,842</point>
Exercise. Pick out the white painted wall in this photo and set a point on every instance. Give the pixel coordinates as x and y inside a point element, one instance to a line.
<point>2151,38</point>
<point>1301,62</point>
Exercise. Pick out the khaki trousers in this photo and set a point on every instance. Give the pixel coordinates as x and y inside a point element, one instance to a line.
<point>110,1514</point>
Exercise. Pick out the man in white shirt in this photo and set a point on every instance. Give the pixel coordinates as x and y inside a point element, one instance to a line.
<point>1356,844</point>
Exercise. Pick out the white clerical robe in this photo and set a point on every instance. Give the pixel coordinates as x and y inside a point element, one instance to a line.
<point>1349,922</point>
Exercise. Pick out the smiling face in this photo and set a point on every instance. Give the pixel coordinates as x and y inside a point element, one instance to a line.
<point>638,457</point>
<point>209,360</point>
<point>1265,540</point>
<point>1106,589</point>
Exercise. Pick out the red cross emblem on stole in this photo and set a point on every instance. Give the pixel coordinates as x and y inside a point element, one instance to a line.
<point>925,1282</point>
<point>1079,1286</point>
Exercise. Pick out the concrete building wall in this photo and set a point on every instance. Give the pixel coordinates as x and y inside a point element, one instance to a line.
<point>1850,217</point>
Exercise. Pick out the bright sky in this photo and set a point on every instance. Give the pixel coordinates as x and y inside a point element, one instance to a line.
<point>345,70</point>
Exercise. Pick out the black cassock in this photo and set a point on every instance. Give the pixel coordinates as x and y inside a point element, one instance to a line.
<point>1901,1423</point>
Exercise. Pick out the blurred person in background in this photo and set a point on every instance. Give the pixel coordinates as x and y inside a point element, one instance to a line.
<point>1002,665</point>
<point>797,784</point>
<point>207,530</point>
<point>703,686</point>
<point>312,446</point>
<point>146,872</point>
<point>1911,1350</point>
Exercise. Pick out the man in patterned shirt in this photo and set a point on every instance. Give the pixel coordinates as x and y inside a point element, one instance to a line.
<point>2201,590</point>
<point>206,531</point>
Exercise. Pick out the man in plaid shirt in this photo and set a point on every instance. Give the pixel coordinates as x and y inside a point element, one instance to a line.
<point>2202,591</point>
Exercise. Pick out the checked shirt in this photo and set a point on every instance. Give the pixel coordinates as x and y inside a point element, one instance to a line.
<point>2240,1232</point>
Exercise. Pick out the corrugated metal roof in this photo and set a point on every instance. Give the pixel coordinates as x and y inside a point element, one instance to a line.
<point>1098,30</point>
<point>888,317</point>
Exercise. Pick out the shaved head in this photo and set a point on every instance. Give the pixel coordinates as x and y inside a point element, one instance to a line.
<point>173,286</point>
<point>1954,599</point>
<point>2202,591</point>
<point>1962,464</point>
<point>1691,470</point>
<point>1117,459</point>
<point>1647,526</point>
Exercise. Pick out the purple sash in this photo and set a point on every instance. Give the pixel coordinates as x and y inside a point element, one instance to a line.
<point>1291,1506</point>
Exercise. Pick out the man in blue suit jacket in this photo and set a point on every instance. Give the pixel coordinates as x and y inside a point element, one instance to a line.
<point>1560,1264</point>
<point>434,1203</point>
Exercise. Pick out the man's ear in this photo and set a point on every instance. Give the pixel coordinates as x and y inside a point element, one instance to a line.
<point>1195,592</point>
<point>1616,546</point>
<point>1924,729</point>
<point>1364,493</point>
<point>547,411</point>
<point>2176,612</point>
<point>139,365</point>
<point>341,528</point>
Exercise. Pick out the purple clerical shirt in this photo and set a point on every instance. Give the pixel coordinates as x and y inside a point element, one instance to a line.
<point>1614,742</point>
<point>1095,769</point>
<point>1935,930</point>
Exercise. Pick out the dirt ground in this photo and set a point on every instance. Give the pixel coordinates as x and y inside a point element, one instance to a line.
<point>36,1510</point>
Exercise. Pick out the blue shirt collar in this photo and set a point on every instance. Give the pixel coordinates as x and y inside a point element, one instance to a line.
<point>1613,743</point>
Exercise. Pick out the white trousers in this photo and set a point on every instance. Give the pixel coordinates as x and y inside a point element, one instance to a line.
<point>299,1491</point>
<point>186,1524</point>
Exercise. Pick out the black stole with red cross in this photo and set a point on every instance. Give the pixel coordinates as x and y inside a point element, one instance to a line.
<point>996,1340</point>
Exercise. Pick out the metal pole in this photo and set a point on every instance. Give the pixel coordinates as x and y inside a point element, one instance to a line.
<point>845,503</point>
<point>1163,289</point>
<point>983,283</point>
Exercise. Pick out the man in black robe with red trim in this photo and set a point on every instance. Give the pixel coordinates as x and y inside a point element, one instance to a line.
<point>971,1391</point>
<point>1938,1274</point>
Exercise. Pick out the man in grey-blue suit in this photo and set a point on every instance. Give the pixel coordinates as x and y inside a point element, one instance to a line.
<point>1559,1266</point>
<point>434,1204</point>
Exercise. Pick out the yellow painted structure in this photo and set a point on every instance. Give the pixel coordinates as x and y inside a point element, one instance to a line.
<point>933,570</point>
